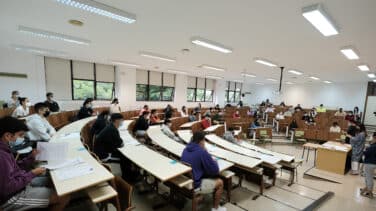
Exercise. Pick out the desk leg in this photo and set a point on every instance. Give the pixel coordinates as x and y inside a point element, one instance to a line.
<point>314,161</point>
<point>303,152</point>
<point>308,154</point>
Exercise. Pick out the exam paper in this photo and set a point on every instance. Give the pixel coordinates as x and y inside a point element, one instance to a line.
<point>52,152</point>
<point>63,164</point>
<point>73,171</point>
<point>70,136</point>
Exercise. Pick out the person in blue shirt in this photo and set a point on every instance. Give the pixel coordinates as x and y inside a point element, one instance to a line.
<point>205,169</point>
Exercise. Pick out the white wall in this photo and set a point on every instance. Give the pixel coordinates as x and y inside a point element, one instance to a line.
<point>308,95</point>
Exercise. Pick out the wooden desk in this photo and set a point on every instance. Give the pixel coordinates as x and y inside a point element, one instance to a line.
<point>331,159</point>
<point>188,124</point>
<point>76,149</point>
<point>212,128</point>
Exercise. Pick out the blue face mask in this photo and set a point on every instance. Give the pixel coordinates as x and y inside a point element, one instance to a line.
<point>18,141</point>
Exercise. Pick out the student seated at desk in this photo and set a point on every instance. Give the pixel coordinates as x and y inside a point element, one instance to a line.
<point>236,115</point>
<point>209,112</point>
<point>142,124</point>
<point>145,108</point>
<point>192,116</point>
<point>313,112</point>
<point>310,120</point>
<point>229,136</point>
<point>206,122</point>
<point>350,116</point>
<point>183,112</point>
<point>115,107</point>
<point>269,109</point>
<point>23,109</point>
<point>280,116</point>
<point>217,118</point>
<point>255,124</point>
<point>293,125</point>
<point>100,123</point>
<point>86,110</point>
<point>321,109</point>
<point>39,127</point>
<point>52,105</point>
<point>166,129</point>
<point>340,112</point>
<point>298,108</point>
<point>335,128</point>
<point>289,112</point>
<point>154,119</point>
<point>22,188</point>
<point>168,111</point>
<point>204,168</point>
<point>14,102</point>
<point>369,168</point>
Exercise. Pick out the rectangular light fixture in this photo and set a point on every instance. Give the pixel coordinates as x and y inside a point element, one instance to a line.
<point>210,67</point>
<point>248,75</point>
<point>265,62</point>
<point>350,53</point>
<point>314,78</point>
<point>39,51</point>
<point>101,9</point>
<point>210,44</point>
<point>328,82</point>
<point>289,83</point>
<point>52,35</point>
<point>295,72</point>
<point>177,71</point>
<point>125,63</point>
<point>371,75</point>
<point>363,67</point>
<point>213,77</point>
<point>156,56</point>
<point>271,79</point>
<point>317,16</point>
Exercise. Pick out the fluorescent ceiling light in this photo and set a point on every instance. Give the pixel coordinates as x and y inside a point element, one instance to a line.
<point>314,78</point>
<point>350,53</point>
<point>328,82</point>
<point>101,9</point>
<point>265,62</point>
<point>156,56</point>
<point>317,16</point>
<point>125,63</point>
<point>52,35</point>
<point>295,72</point>
<point>258,83</point>
<point>177,71</point>
<point>374,81</point>
<point>209,67</point>
<point>363,67</point>
<point>371,75</point>
<point>213,77</point>
<point>39,51</point>
<point>290,83</point>
<point>248,75</point>
<point>271,79</point>
<point>210,44</point>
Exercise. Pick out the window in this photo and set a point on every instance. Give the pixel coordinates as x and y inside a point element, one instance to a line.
<point>83,89</point>
<point>104,90</point>
<point>233,92</point>
<point>154,86</point>
<point>200,89</point>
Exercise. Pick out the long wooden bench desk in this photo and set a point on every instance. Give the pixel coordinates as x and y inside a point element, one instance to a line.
<point>76,149</point>
<point>188,125</point>
<point>212,128</point>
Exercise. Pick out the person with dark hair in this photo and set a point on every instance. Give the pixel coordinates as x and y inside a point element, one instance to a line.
<point>321,109</point>
<point>52,105</point>
<point>21,188</point>
<point>23,109</point>
<point>255,124</point>
<point>13,102</point>
<point>206,122</point>
<point>166,129</point>
<point>229,136</point>
<point>298,108</point>
<point>282,104</point>
<point>86,110</point>
<point>145,108</point>
<point>217,108</point>
<point>40,128</point>
<point>115,107</point>
<point>204,168</point>
<point>100,123</point>
<point>236,115</point>
<point>335,128</point>
<point>183,112</point>
<point>168,112</point>
<point>240,103</point>
<point>293,125</point>
<point>351,130</point>
<point>154,119</point>
<point>142,124</point>
<point>357,143</point>
<point>369,168</point>
<point>350,116</point>
<point>192,116</point>
<point>357,114</point>
<point>340,112</point>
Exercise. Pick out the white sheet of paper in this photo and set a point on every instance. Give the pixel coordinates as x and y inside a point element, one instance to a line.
<point>70,135</point>
<point>73,171</point>
<point>269,159</point>
<point>52,152</point>
<point>63,164</point>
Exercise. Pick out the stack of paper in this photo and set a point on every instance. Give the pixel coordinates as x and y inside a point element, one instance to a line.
<point>70,172</point>
<point>52,151</point>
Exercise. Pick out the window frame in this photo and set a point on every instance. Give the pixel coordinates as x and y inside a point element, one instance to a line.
<point>161,89</point>
<point>233,92</point>
<point>195,92</point>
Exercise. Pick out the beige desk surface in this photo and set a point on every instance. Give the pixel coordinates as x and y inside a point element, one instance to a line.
<point>76,149</point>
<point>157,136</point>
<point>236,158</point>
<point>212,128</point>
<point>151,161</point>
<point>188,124</point>
<point>241,150</point>
<point>284,157</point>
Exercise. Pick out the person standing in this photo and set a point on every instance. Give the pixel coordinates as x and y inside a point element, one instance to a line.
<point>52,105</point>
<point>115,107</point>
<point>357,143</point>
<point>369,168</point>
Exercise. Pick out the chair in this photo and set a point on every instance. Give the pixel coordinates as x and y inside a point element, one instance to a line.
<point>299,137</point>
<point>125,192</point>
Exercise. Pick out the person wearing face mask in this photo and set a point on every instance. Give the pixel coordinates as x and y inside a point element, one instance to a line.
<point>13,102</point>
<point>100,123</point>
<point>142,124</point>
<point>86,110</point>
<point>166,129</point>
<point>39,127</point>
<point>23,109</point>
<point>21,186</point>
<point>115,107</point>
<point>52,105</point>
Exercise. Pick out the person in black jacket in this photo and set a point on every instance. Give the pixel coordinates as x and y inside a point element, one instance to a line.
<point>168,112</point>
<point>52,105</point>
<point>100,123</point>
<point>142,124</point>
<point>369,168</point>
<point>86,109</point>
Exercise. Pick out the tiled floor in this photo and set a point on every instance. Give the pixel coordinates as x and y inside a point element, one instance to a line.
<point>346,195</point>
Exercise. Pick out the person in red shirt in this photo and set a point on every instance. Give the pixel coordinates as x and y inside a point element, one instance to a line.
<point>236,115</point>
<point>206,122</point>
<point>154,119</point>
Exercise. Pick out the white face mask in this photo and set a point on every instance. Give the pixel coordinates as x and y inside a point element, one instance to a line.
<point>28,104</point>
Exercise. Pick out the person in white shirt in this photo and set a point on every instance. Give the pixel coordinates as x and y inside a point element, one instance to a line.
<point>340,112</point>
<point>269,109</point>
<point>115,107</point>
<point>166,129</point>
<point>184,112</point>
<point>280,116</point>
<point>335,128</point>
<point>13,102</point>
<point>39,128</point>
<point>23,109</point>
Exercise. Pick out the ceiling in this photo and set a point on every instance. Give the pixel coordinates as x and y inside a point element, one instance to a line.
<point>275,30</point>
